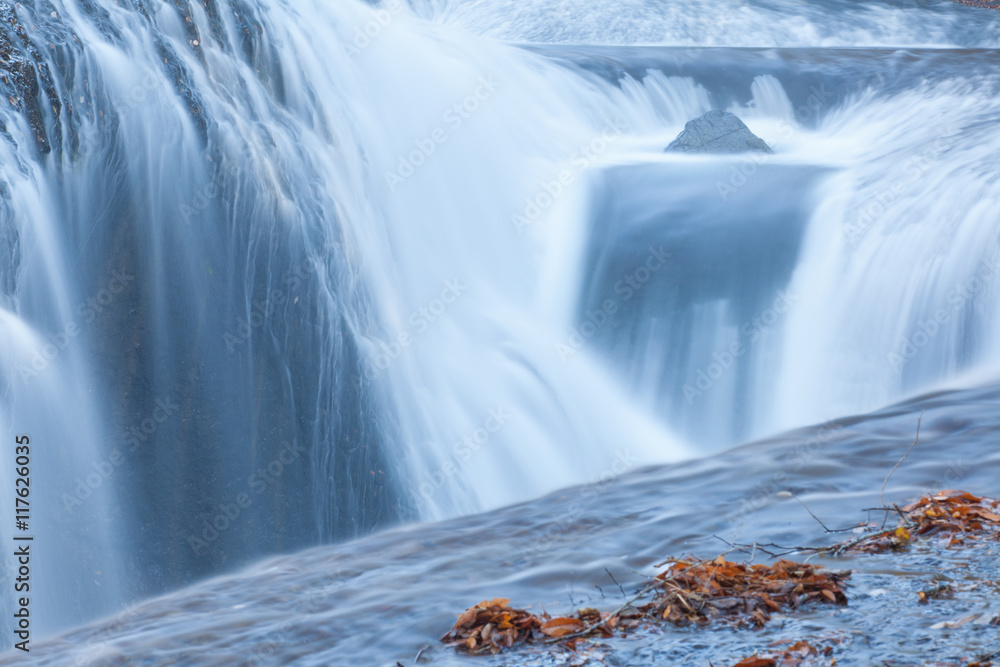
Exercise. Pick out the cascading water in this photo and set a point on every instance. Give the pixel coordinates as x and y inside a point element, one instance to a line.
<point>279,274</point>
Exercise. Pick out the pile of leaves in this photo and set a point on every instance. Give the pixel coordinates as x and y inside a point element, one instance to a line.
<point>953,515</point>
<point>690,591</point>
<point>493,625</point>
<point>697,591</point>
<point>798,654</point>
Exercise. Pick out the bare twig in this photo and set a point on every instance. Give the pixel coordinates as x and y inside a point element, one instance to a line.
<point>616,582</point>
<point>723,540</point>
<point>789,494</point>
<point>765,547</point>
<point>882,494</point>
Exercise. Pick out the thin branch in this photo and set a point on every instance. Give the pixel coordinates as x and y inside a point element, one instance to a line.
<point>616,582</point>
<point>882,494</point>
<point>789,494</point>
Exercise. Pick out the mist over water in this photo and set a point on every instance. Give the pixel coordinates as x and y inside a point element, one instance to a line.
<point>277,275</point>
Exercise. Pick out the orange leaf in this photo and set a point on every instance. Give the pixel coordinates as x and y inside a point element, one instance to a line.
<point>951,494</point>
<point>558,627</point>
<point>828,594</point>
<point>756,662</point>
<point>467,618</point>
<point>802,648</point>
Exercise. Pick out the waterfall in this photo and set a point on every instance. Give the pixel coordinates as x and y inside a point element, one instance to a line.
<point>277,274</point>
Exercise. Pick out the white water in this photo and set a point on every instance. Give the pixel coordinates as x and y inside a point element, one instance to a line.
<point>714,23</point>
<point>898,276</point>
<point>311,157</point>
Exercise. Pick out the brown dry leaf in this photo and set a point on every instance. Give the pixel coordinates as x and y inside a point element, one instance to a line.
<point>467,618</point>
<point>951,495</point>
<point>795,655</point>
<point>756,662</point>
<point>558,627</point>
<point>802,648</point>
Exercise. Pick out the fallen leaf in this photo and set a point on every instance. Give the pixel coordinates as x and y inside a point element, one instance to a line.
<point>756,662</point>
<point>467,618</point>
<point>559,627</point>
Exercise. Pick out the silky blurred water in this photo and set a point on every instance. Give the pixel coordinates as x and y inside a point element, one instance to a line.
<point>278,275</point>
<point>383,599</point>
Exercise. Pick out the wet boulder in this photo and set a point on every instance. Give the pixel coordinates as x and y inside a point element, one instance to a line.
<point>19,75</point>
<point>717,132</point>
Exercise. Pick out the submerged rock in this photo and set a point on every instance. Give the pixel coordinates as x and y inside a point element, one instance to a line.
<point>717,132</point>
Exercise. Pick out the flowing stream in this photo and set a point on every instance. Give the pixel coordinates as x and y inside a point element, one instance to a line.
<point>279,274</point>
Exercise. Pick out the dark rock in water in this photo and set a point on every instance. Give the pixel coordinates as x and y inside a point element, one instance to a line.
<point>20,75</point>
<point>717,132</point>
